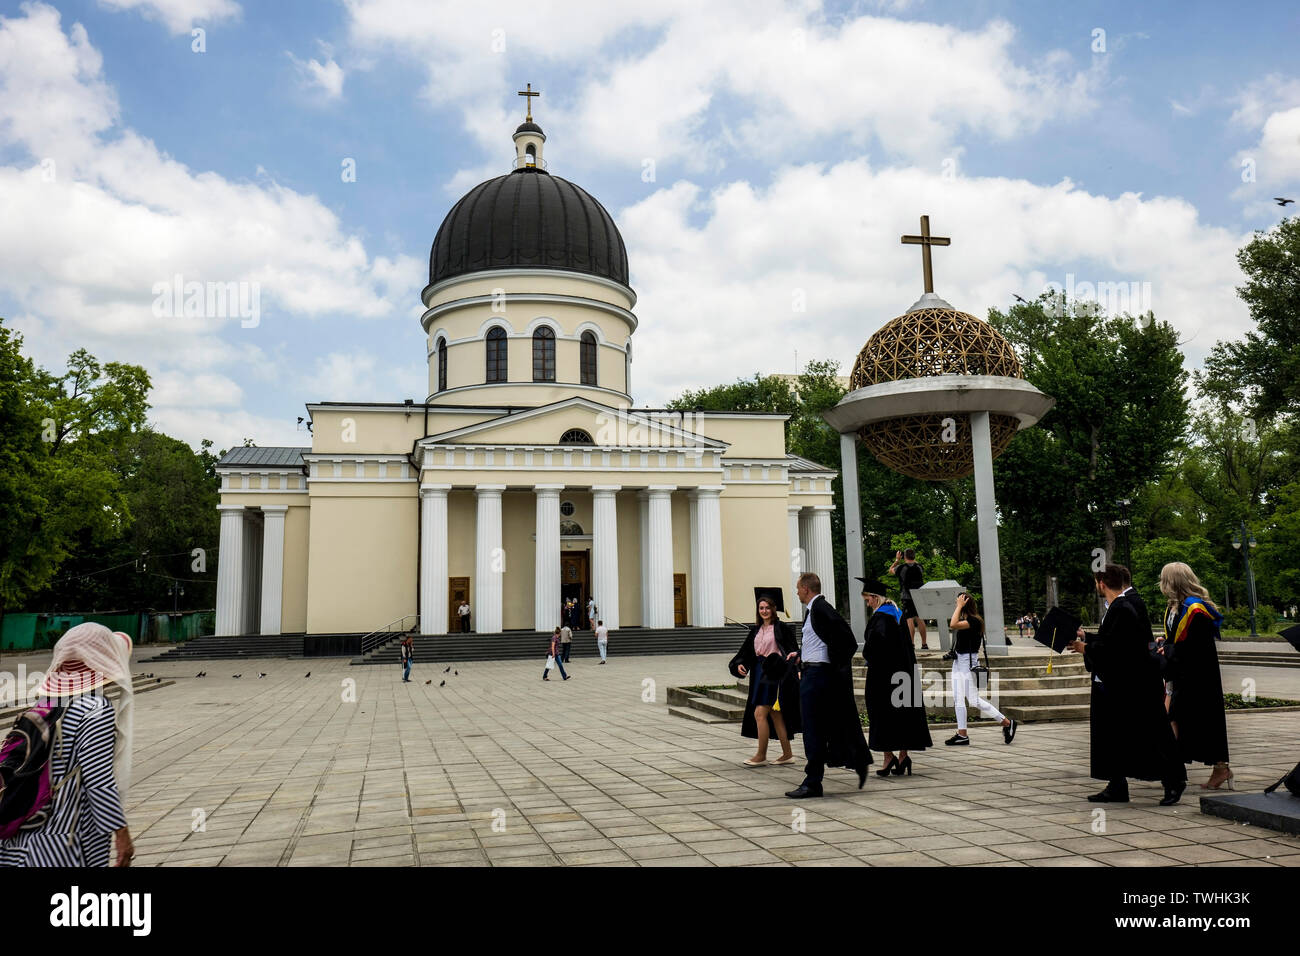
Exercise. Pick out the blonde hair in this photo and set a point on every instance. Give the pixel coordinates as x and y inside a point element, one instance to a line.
<point>1179,582</point>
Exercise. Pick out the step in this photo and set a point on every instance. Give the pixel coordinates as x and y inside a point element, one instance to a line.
<point>691,713</point>
<point>139,685</point>
<point>717,708</point>
<point>1046,712</point>
<point>1071,682</point>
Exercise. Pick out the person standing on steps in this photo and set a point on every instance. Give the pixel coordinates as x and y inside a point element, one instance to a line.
<point>553,657</point>
<point>828,708</point>
<point>592,611</point>
<point>602,639</point>
<point>892,724</point>
<point>566,641</point>
<point>1129,728</point>
<point>910,577</point>
<point>968,634</point>
<point>408,656</point>
<point>464,617</point>
<point>773,704</point>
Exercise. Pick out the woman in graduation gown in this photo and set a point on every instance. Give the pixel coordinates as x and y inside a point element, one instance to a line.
<point>895,714</point>
<point>1192,668</point>
<point>773,705</point>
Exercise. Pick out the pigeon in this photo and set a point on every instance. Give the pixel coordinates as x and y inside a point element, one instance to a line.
<point>1020,298</point>
<point>1282,202</point>
<point>261,674</point>
<point>308,674</point>
<point>199,674</point>
<point>237,676</point>
<point>429,681</point>
<point>448,668</point>
<point>148,675</point>
<point>442,683</point>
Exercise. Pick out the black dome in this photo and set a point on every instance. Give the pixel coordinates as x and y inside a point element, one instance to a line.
<point>528,126</point>
<point>528,218</point>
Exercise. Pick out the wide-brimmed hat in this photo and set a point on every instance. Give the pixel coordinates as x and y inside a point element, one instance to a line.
<point>78,666</point>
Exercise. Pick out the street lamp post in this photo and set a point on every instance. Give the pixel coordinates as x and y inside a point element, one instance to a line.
<point>1124,522</point>
<point>1248,540</point>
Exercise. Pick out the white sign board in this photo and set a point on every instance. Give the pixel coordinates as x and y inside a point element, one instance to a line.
<point>935,601</point>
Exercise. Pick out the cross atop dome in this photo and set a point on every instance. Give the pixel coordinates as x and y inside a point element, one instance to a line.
<point>530,93</point>
<point>529,136</point>
<point>925,241</point>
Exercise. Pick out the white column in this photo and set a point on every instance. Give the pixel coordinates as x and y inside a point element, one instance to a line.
<point>252,603</point>
<point>643,502</point>
<point>546,580</point>
<point>706,556</point>
<point>986,520</point>
<point>798,562</point>
<point>659,580</point>
<point>805,540</point>
<point>433,559</point>
<point>230,571</point>
<point>852,529</point>
<point>604,552</point>
<point>272,566</point>
<point>821,555</point>
<point>489,563</point>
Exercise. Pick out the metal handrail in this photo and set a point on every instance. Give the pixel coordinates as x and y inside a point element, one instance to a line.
<point>370,641</point>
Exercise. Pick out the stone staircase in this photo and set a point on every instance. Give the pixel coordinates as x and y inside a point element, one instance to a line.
<point>230,648</point>
<point>526,645</point>
<point>1285,656</point>
<point>1021,688</point>
<point>139,685</point>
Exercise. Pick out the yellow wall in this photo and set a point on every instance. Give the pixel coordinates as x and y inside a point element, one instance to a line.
<point>518,524</point>
<point>293,608</point>
<point>748,437</point>
<point>755,548</point>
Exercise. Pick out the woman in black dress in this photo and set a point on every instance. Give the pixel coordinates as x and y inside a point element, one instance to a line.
<point>895,708</point>
<point>1192,671</point>
<point>773,705</point>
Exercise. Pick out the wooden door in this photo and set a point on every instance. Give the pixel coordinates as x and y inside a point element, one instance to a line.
<point>679,600</point>
<point>457,594</point>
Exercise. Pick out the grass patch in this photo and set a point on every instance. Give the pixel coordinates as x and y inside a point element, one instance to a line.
<point>704,688</point>
<point>1236,702</point>
<point>929,718</point>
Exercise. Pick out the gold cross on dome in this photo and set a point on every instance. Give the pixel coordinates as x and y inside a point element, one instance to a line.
<point>925,241</point>
<point>530,93</point>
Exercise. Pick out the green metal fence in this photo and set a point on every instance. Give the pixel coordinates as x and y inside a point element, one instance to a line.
<point>30,631</point>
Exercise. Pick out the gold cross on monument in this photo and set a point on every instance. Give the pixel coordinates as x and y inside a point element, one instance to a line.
<point>530,93</point>
<point>925,241</point>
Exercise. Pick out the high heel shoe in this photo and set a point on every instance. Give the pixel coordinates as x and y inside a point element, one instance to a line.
<point>1226,780</point>
<point>904,767</point>
<point>893,762</point>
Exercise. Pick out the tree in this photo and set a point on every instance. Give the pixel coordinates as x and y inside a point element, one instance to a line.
<point>1196,552</point>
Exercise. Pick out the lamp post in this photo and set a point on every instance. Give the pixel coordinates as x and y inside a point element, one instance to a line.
<point>1124,522</point>
<point>1247,539</point>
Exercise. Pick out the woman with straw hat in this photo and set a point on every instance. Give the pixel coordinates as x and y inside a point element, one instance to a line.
<point>90,757</point>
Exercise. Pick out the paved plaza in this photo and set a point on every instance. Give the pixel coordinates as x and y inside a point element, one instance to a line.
<point>498,768</point>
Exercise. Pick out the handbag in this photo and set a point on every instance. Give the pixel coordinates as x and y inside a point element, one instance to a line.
<point>550,661</point>
<point>1291,781</point>
<point>980,672</point>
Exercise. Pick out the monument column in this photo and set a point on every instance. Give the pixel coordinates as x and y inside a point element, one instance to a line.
<point>706,557</point>
<point>798,562</point>
<point>433,559</point>
<point>643,513</point>
<point>987,523</point>
<point>272,566</point>
<point>822,556</point>
<point>604,552</point>
<point>852,528</point>
<point>489,562</point>
<point>546,578</point>
<point>230,571</point>
<point>659,575</point>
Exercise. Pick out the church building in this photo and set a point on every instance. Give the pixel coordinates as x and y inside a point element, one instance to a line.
<point>526,476</point>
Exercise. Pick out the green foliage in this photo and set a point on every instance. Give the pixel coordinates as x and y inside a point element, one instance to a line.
<point>937,565</point>
<point>1197,553</point>
<point>1238,619</point>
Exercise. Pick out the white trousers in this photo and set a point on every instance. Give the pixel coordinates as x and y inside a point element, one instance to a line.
<point>601,645</point>
<point>965,691</point>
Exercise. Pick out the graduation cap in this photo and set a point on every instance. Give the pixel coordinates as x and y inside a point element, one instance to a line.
<point>1057,629</point>
<point>775,667</point>
<point>1292,635</point>
<point>870,586</point>
<point>770,594</point>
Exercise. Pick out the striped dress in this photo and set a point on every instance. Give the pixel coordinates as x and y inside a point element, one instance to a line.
<point>89,808</point>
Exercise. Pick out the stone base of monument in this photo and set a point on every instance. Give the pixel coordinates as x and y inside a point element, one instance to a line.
<point>1276,811</point>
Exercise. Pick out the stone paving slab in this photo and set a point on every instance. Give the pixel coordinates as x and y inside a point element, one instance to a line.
<point>353,767</point>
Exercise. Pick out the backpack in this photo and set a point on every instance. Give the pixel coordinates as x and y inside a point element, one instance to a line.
<point>1291,781</point>
<point>25,791</point>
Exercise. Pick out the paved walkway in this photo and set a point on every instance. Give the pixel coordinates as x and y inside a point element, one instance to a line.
<point>498,768</point>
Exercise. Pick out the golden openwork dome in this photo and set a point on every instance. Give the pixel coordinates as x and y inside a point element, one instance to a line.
<point>933,339</point>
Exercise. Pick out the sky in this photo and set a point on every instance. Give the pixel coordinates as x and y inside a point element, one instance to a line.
<point>760,158</point>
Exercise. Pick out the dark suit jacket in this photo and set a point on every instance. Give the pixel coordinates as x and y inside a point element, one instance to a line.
<point>834,632</point>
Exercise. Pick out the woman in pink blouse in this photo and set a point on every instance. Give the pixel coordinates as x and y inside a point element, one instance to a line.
<point>773,705</point>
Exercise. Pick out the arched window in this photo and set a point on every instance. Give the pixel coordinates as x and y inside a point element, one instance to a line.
<point>576,436</point>
<point>588,358</point>
<point>442,365</point>
<point>544,355</point>
<point>531,153</point>
<point>627,370</point>
<point>496,354</point>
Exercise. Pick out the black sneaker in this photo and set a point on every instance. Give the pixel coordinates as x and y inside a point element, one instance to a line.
<point>957,740</point>
<point>950,656</point>
<point>1009,732</point>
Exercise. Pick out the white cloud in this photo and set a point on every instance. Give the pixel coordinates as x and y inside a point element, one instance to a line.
<point>326,77</point>
<point>179,16</point>
<point>726,267</point>
<point>1270,107</point>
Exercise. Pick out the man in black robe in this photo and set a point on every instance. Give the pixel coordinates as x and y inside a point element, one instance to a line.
<point>832,731</point>
<point>1129,728</point>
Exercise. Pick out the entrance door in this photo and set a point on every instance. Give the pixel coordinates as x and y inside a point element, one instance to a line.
<point>575,583</point>
<point>457,594</point>
<point>679,600</point>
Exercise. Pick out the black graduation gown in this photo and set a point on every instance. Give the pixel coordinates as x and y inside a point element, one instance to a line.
<point>888,652</point>
<point>1197,704</point>
<point>844,738</point>
<point>1130,733</point>
<point>787,691</point>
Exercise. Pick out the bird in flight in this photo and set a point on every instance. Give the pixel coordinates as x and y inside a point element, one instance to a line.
<point>1020,298</point>
<point>1282,202</point>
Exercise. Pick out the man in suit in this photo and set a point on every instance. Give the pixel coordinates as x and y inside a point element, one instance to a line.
<point>1129,729</point>
<point>832,732</point>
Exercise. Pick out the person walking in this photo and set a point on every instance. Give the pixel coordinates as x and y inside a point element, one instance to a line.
<point>592,611</point>
<point>910,577</point>
<point>602,639</point>
<point>828,708</point>
<point>1196,713</point>
<point>553,657</point>
<point>89,755</point>
<point>408,657</point>
<point>1129,729</point>
<point>566,641</point>
<point>892,725</point>
<point>968,635</point>
<point>773,703</point>
<point>464,617</point>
